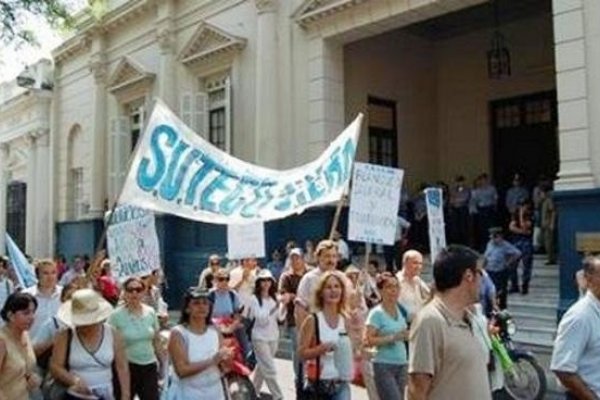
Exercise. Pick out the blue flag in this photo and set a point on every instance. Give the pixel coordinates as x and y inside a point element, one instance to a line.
<point>23,270</point>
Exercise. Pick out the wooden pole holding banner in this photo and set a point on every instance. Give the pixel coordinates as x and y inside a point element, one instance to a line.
<point>338,213</point>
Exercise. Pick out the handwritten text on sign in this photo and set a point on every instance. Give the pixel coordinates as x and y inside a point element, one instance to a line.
<point>374,203</point>
<point>132,243</point>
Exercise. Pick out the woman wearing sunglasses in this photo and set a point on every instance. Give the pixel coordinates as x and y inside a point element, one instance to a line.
<point>138,325</point>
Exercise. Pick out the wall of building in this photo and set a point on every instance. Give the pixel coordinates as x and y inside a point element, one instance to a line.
<point>399,67</point>
<point>464,90</point>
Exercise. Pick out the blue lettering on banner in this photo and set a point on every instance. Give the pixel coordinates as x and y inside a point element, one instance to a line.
<point>174,170</point>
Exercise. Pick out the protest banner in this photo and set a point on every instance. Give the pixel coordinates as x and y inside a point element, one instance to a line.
<point>434,200</point>
<point>132,243</point>
<point>23,270</point>
<point>246,240</point>
<point>176,171</point>
<point>374,202</point>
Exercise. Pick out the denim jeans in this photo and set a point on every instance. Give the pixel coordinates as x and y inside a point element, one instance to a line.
<point>390,380</point>
<point>343,393</point>
<point>525,245</point>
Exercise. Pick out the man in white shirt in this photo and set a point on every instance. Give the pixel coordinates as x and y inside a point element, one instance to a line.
<point>576,355</point>
<point>242,279</point>
<point>47,293</point>
<point>414,292</point>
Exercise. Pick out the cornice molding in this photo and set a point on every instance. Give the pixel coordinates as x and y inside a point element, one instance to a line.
<point>127,73</point>
<point>313,10</point>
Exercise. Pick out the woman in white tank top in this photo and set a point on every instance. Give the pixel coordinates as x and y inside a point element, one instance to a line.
<point>195,350</point>
<point>83,357</point>
<point>324,343</point>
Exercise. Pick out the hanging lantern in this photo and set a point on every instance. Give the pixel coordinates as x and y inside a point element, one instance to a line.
<point>498,58</point>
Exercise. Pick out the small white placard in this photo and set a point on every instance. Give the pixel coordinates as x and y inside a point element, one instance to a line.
<point>245,241</point>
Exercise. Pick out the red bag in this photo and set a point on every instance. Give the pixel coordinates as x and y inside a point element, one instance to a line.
<point>357,376</point>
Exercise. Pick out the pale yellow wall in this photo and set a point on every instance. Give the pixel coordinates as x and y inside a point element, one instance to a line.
<point>443,92</point>
<point>464,90</point>
<point>399,67</point>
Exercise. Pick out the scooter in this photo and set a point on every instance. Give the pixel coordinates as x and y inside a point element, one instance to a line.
<point>524,378</point>
<point>235,370</point>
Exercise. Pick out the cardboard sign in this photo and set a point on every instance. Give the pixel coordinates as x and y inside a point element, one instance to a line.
<point>245,241</point>
<point>132,243</point>
<point>374,203</point>
<point>435,215</point>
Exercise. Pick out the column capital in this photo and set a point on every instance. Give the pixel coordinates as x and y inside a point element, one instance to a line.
<point>165,37</point>
<point>266,6</point>
<point>97,66</point>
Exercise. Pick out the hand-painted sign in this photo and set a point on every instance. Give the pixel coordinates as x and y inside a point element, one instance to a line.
<point>132,243</point>
<point>435,215</point>
<point>374,202</point>
<point>246,241</point>
<point>176,171</point>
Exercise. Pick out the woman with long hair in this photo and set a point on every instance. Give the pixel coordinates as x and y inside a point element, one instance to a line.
<point>325,346</point>
<point>17,359</point>
<point>83,356</point>
<point>265,332</point>
<point>138,324</point>
<point>387,331</point>
<point>195,351</point>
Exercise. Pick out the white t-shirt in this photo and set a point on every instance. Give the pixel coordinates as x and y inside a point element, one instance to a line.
<point>265,319</point>
<point>46,309</point>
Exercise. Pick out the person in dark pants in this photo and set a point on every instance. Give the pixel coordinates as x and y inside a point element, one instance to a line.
<point>521,230</point>
<point>499,256</point>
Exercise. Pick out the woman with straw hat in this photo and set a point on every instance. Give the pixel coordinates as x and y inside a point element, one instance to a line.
<point>83,356</point>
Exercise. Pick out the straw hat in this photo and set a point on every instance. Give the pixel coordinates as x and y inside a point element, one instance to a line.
<point>86,307</point>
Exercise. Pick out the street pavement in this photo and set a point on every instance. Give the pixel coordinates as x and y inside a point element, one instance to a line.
<point>285,377</point>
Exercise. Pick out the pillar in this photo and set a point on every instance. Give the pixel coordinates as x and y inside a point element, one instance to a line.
<point>267,113</point>
<point>31,203</point>
<point>98,181</point>
<point>43,192</point>
<point>166,41</point>
<point>3,185</point>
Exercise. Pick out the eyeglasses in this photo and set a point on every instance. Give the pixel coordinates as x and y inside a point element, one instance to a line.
<point>136,289</point>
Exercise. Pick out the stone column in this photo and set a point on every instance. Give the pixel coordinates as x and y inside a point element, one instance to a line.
<point>591,23</point>
<point>166,41</point>
<point>43,245</point>
<point>98,176</point>
<point>267,74</point>
<point>573,94</point>
<point>31,203</point>
<point>3,185</point>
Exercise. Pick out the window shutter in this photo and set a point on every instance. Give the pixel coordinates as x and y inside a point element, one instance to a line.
<point>201,114</point>
<point>228,112</point>
<point>185,109</point>
<point>123,151</point>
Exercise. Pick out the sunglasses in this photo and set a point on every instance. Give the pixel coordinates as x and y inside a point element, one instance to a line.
<point>222,279</point>
<point>136,289</point>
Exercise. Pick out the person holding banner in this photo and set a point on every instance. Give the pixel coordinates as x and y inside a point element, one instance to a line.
<point>139,327</point>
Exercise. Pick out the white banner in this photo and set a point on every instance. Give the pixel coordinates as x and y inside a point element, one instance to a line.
<point>246,240</point>
<point>132,243</point>
<point>374,202</point>
<point>435,215</point>
<point>175,171</point>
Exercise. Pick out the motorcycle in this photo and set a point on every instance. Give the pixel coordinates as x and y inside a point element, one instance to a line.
<point>524,378</point>
<point>235,370</point>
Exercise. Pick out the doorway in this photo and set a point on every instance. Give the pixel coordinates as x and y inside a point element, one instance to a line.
<point>16,205</point>
<point>524,139</point>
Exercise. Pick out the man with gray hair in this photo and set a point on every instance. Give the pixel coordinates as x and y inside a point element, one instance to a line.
<point>414,292</point>
<point>576,354</point>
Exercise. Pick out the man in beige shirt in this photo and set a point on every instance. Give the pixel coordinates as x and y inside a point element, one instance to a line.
<point>414,292</point>
<point>445,361</point>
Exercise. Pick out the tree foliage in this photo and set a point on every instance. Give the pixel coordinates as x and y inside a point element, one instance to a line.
<point>14,15</point>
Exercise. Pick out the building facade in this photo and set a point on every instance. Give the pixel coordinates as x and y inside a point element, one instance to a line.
<point>273,81</point>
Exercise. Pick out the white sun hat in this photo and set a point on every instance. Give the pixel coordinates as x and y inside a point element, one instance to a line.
<point>86,307</point>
